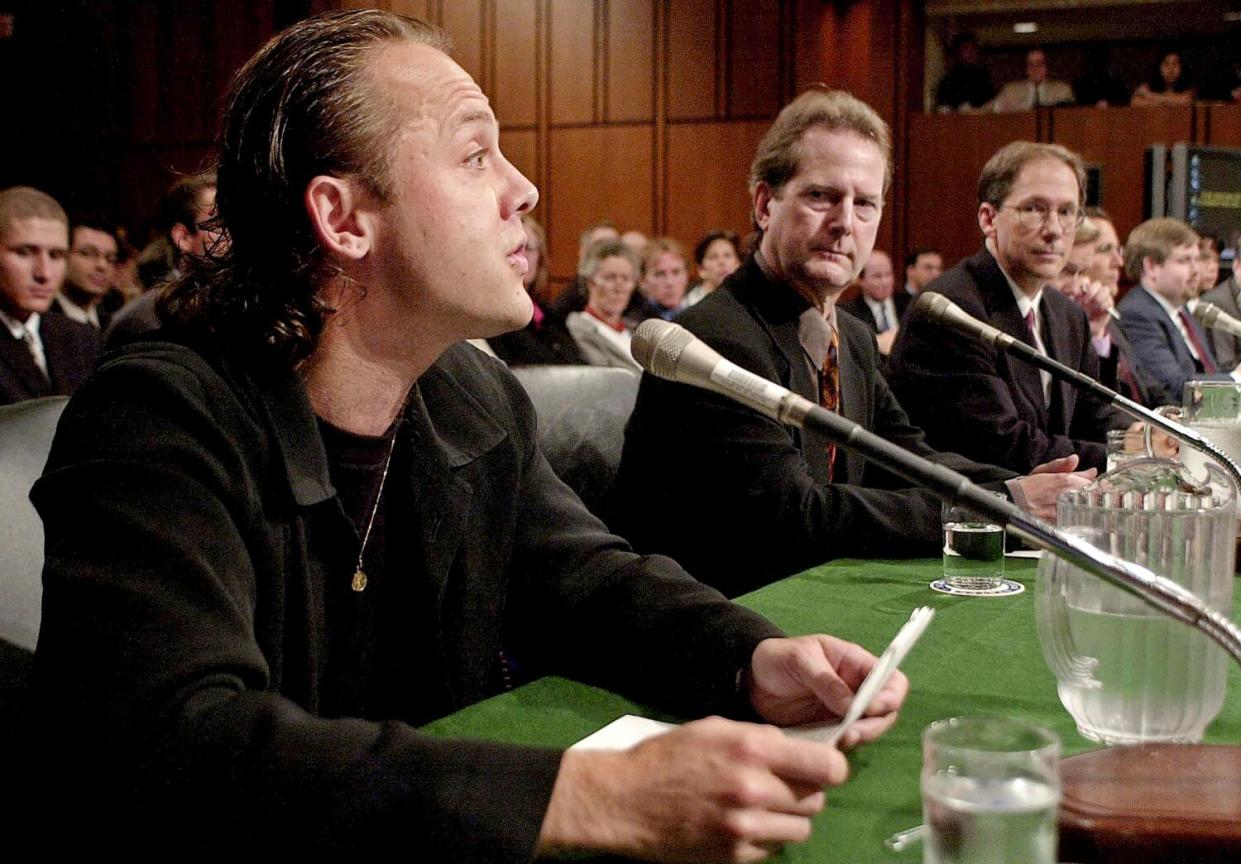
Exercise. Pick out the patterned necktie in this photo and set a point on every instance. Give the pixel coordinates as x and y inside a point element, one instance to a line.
<point>1200,348</point>
<point>1030,325</point>
<point>829,392</point>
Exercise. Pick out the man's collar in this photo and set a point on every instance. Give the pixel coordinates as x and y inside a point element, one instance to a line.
<point>19,328</point>
<point>1024,302</point>
<point>1162,301</point>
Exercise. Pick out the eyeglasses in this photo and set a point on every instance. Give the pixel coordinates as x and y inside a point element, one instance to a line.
<point>1035,216</point>
<point>94,254</point>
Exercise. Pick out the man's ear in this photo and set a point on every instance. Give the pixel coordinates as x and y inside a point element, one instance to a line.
<point>337,216</point>
<point>762,204</point>
<point>986,219</point>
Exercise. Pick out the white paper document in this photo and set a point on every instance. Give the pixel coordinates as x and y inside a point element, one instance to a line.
<point>629,730</point>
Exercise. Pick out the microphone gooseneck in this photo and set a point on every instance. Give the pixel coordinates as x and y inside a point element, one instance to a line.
<point>938,308</point>
<point>669,351</point>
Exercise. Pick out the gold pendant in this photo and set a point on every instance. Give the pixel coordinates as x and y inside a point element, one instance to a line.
<point>359,580</point>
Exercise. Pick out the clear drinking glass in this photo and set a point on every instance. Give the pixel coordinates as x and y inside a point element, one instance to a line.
<point>990,789</point>
<point>1128,673</point>
<point>1213,408</point>
<point>973,548</point>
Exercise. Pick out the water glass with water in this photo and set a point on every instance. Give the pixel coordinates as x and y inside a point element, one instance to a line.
<point>990,791</point>
<point>973,548</point>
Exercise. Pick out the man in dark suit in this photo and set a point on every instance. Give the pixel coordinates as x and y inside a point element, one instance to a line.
<point>1227,296</point>
<point>40,354</point>
<point>975,398</point>
<point>1161,255</point>
<point>739,498</point>
<point>877,305</point>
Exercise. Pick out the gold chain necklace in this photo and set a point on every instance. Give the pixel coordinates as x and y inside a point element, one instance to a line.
<point>359,574</point>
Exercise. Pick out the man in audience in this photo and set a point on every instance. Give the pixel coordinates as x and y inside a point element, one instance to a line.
<point>1161,255</point>
<point>966,86</point>
<point>86,296</point>
<point>1036,91</point>
<point>974,397</point>
<point>922,267</point>
<point>246,612</point>
<point>736,497</point>
<point>1227,296</point>
<point>876,305</point>
<point>40,354</point>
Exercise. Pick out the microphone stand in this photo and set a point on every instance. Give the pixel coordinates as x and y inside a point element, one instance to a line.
<point>1178,431</point>
<point>1158,591</point>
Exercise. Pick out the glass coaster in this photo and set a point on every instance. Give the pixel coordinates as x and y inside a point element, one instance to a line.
<point>1006,588</point>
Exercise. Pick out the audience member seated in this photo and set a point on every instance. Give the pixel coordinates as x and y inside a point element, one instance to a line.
<point>966,86</point>
<point>609,270</point>
<point>736,497</point>
<point>1097,87</point>
<point>665,279</point>
<point>923,265</point>
<point>970,395</point>
<point>877,306</point>
<point>1109,256</point>
<point>717,255</point>
<point>1227,296</point>
<point>40,354</point>
<point>1119,366</point>
<point>1035,91</point>
<point>87,295</point>
<point>1161,255</point>
<point>1209,248</point>
<point>188,234</point>
<point>544,341</point>
<point>572,297</point>
<point>1167,85</point>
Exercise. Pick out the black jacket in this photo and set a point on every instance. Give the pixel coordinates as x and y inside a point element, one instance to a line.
<point>70,348</point>
<point>977,399</point>
<point>196,552</point>
<point>741,500</point>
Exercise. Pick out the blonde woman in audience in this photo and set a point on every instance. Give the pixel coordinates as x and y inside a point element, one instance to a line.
<point>665,280</point>
<point>610,271</point>
<point>1109,255</point>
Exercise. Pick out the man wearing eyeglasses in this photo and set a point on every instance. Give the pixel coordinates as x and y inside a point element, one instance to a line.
<point>90,269</point>
<point>976,399</point>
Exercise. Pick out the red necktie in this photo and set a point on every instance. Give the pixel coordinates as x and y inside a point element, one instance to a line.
<point>829,392</point>
<point>1204,356</point>
<point>1030,325</point>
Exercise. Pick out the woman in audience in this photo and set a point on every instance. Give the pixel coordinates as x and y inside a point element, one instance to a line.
<point>1167,86</point>
<point>665,278</point>
<point>610,270</point>
<point>543,341</point>
<point>1109,255</point>
<point>717,255</point>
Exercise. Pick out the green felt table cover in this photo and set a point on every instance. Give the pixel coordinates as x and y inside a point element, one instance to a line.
<point>979,656</point>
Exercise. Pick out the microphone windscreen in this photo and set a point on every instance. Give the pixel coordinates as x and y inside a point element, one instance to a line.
<point>657,345</point>
<point>932,304</point>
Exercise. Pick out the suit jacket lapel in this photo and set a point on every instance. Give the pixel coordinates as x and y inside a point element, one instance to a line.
<point>1055,336</point>
<point>16,356</point>
<point>853,398</point>
<point>1005,315</point>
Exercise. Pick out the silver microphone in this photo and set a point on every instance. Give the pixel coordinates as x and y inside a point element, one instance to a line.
<point>1210,315</point>
<point>670,351</point>
<point>937,307</point>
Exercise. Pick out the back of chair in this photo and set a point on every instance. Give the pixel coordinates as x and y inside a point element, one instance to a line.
<point>582,413</point>
<point>26,430</point>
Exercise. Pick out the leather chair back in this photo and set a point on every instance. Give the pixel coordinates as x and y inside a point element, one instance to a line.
<point>582,412</point>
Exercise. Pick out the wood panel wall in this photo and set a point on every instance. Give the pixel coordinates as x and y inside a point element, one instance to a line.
<point>645,112</point>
